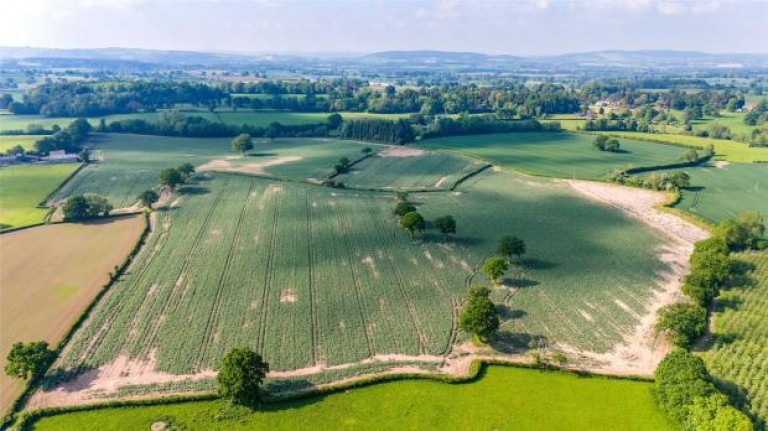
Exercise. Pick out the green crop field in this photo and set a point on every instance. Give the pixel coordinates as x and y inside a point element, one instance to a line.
<point>739,352</point>
<point>504,398</point>
<point>309,275</point>
<point>564,155</point>
<point>718,193</point>
<point>426,171</point>
<point>23,187</point>
<point>129,164</point>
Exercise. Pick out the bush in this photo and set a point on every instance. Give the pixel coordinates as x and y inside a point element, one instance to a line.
<point>241,374</point>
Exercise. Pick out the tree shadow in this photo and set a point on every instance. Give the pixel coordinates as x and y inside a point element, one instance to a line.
<point>520,282</point>
<point>723,339</point>
<point>740,273</point>
<point>515,342</point>
<point>727,303</point>
<point>192,190</point>
<point>737,395</point>
<point>80,377</point>
<point>261,154</point>
<point>506,313</point>
<point>536,263</point>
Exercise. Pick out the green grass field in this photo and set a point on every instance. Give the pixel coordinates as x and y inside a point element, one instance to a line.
<point>739,352</point>
<point>26,141</point>
<point>130,164</point>
<point>718,193</point>
<point>428,171</point>
<point>23,187</point>
<point>311,275</point>
<point>562,155</point>
<point>504,398</point>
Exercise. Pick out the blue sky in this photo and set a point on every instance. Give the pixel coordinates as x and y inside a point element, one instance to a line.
<point>527,27</point>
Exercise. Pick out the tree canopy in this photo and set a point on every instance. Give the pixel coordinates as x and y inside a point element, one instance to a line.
<point>411,222</point>
<point>494,268</point>
<point>479,316</point>
<point>27,360</point>
<point>84,207</point>
<point>242,143</point>
<point>509,246</point>
<point>240,376</point>
<point>446,225</point>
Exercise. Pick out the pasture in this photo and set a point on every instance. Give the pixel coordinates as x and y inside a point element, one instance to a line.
<point>9,141</point>
<point>562,155</point>
<point>504,398</point>
<point>49,275</point>
<point>126,165</point>
<point>738,355</point>
<point>732,151</point>
<point>410,169</point>
<point>23,187</point>
<point>311,276</point>
<point>721,192</point>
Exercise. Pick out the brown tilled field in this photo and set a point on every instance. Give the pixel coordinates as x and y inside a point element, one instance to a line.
<point>49,275</point>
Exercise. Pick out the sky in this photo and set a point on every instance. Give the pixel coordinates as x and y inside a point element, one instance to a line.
<point>521,27</point>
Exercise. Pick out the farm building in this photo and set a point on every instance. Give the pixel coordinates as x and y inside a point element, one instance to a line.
<point>60,157</point>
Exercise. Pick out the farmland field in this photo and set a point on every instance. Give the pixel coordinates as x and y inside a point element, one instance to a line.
<point>49,274</point>
<point>23,187</point>
<point>732,151</point>
<point>312,276</point>
<point>26,141</point>
<point>410,170</point>
<point>504,398</point>
<point>739,352</point>
<point>718,193</point>
<point>237,118</point>
<point>563,155</point>
<point>129,164</point>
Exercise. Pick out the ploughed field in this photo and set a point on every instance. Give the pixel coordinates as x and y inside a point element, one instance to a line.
<point>49,275</point>
<point>311,276</point>
<point>562,155</point>
<point>504,398</point>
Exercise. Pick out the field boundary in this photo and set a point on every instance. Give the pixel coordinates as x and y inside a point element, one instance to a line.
<point>44,202</point>
<point>477,369</point>
<point>34,383</point>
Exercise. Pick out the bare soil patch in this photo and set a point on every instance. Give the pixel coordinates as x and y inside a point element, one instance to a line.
<point>402,152</point>
<point>49,275</point>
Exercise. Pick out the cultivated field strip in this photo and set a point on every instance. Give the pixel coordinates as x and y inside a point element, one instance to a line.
<point>428,171</point>
<point>739,353</point>
<point>303,274</point>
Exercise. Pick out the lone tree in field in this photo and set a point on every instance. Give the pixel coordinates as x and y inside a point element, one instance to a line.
<point>446,225</point>
<point>334,121</point>
<point>186,169</point>
<point>367,150</point>
<point>242,143</point>
<point>27,360</point>
<point>479,317</point>
<point>171,177</point>
<point>412,221</point>
<point>604,143</point>
<point>691,156</point>
<point>342,165</point>
<point>241,374</point>
<point>509,246</point>
<point>148,198</point>
<point>494,268</point>
<point>84,207</point>
<point>402,208</point>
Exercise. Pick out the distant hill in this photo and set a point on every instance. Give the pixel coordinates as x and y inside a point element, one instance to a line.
<point>419,58</point>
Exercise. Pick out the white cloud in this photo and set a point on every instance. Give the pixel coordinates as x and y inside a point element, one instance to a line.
<point>670,8</point>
